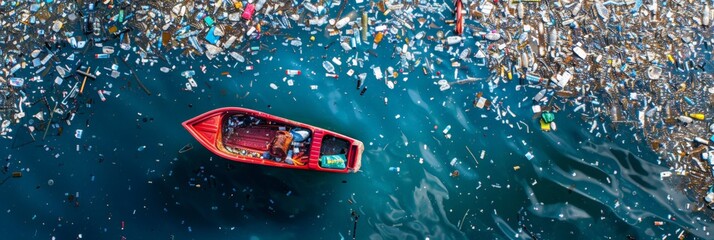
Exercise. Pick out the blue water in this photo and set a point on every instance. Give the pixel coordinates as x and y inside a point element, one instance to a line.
<point>577,185</point>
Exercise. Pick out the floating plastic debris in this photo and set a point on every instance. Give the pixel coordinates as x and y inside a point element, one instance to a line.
<point>328,67</point>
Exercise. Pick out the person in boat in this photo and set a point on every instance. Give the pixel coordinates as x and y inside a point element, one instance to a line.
<point>298,137</point>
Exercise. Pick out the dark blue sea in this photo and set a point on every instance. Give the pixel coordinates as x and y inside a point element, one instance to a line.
<point>124,178</point>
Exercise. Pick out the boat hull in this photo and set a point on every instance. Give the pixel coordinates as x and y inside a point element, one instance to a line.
<point>255,144</point>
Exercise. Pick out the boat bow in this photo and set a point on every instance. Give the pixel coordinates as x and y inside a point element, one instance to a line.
<point>205,127</point>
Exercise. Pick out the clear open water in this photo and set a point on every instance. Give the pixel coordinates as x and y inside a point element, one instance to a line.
<point>577,186</point>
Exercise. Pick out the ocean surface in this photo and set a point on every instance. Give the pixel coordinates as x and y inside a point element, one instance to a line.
<point>124,178</point>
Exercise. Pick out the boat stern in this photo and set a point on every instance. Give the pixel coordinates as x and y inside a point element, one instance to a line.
<point>356,163</point>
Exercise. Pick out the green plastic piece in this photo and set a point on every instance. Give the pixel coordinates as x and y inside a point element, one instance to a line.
<point>548,117</point>
<point>333,161</point>
<point>209,21</point>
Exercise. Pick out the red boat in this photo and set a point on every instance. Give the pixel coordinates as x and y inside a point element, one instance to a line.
<point>250,136</point>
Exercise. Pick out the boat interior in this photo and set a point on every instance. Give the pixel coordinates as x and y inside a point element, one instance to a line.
<point>334,146</point>
<point>334,152</point>
<point>249,136</point>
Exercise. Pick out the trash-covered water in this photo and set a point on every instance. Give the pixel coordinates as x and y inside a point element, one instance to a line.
<point>434,165</point>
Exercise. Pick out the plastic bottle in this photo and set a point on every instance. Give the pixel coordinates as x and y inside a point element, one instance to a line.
<point>492,36</point>
<point>377,39</point>
<point>697,116</point>
<point>451,40</point>
<point>328,67</point>
<point>291,72</point>
<point>684,119</point>
<point>688,100</point>
<point>701,140</point>
<point>394,169</point>
<point>533,78</point>
<point>17,82</point>
<point>446,130</point>
<point>141,148</point>
<point>342,22</point>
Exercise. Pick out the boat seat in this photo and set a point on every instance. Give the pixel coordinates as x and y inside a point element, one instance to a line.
<point>256,138</point>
